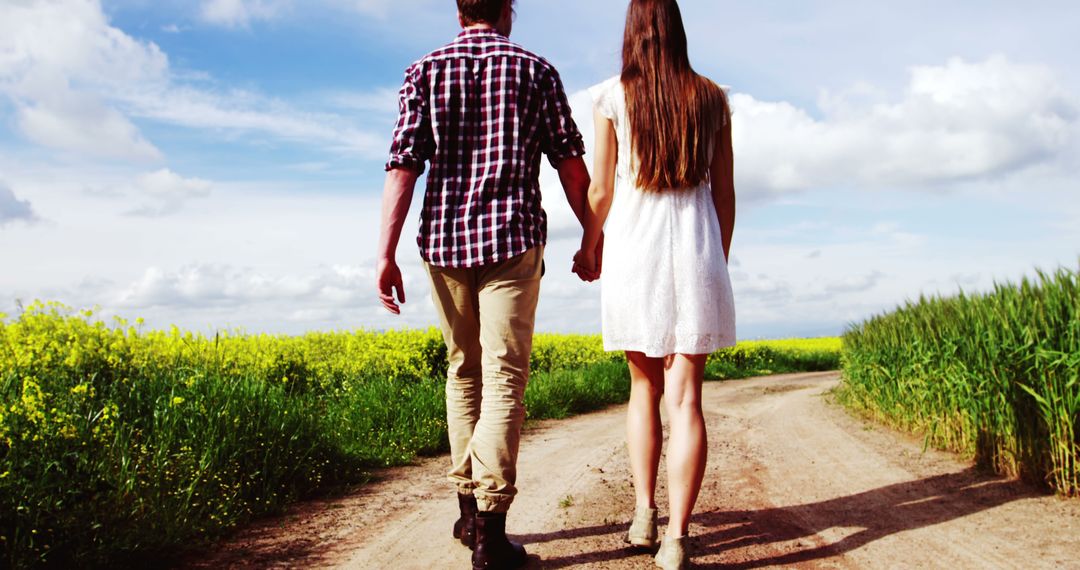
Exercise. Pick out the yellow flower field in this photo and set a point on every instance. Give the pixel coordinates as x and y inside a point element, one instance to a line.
<point>117,441</point>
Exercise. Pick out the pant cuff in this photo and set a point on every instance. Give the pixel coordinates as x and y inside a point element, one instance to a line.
<point>493,504</point>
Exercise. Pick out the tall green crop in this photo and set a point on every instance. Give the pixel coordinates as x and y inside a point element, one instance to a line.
<point>995,376</point>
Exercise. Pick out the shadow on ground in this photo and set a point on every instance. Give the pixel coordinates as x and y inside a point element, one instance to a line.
<point>788,533</point>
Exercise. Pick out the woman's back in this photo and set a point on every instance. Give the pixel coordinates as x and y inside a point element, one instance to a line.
<point>665,287</point>
<point>610,99</point>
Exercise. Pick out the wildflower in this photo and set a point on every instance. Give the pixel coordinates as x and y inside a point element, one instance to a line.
<point>177,400</point>
<point>82,389</point>
<point>32,401</point>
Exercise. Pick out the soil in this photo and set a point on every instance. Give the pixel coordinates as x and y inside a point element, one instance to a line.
<point>793,481</point>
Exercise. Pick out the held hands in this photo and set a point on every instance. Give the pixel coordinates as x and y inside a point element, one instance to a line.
<point>388,276</point>
<point>585,266</point>
<point>588,263</point>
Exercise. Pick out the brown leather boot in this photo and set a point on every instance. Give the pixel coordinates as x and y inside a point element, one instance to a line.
<point>493,550</point>
<point>465,526</point>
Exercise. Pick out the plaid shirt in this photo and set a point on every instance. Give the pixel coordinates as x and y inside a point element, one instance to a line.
<point>481,110</point>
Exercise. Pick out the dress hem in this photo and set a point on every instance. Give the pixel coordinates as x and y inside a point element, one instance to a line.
<point>652,350</point>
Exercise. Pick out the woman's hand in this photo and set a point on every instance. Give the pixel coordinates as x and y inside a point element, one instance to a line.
<point>585,265</point>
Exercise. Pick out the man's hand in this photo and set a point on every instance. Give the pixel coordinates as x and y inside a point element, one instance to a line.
<point>586,265</point>
<point>388,276</point>
<point>589,265</point>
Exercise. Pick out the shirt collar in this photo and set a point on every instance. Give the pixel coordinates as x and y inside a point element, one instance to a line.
<point>479,32</point>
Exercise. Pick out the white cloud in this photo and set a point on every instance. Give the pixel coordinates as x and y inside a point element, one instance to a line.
<point>153,194</point>
<point>893,232</point>
<point>269,255</point>
<point>321,297</point>
<point>76,81</point>
<point>13,209</point>
<point>82,124</point>
<point>48,42</point>
<point>760,288</point>
<point>53,57</point>
<point>197,285</point>
<point>383,101</point>
<point>239,13</point>
<point>956,122</point>
<point>562,224</point>
<point>882,228</point>
<point>377,8</point>
<point>167,184</point>
<point>856,284</point>
<point>248,112</point>
<point>165,192</point>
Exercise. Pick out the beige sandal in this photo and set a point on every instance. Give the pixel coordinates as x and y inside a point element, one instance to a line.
<point>672,554</point>
<point>642,531</point>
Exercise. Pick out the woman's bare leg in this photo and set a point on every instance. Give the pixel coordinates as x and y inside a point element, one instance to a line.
<point>644,434</point>
<point>687,444</point>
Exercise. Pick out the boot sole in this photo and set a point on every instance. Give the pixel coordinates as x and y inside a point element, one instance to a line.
<point>470,544</point>
<point>521,565</point>
<point>642,543</point>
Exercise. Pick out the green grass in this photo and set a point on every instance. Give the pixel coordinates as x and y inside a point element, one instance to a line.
<point>994,376</point>
<point>118,446</point>
<point>764,357</point>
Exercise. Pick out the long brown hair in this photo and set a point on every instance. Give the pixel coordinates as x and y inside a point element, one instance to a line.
<point>674,112</point>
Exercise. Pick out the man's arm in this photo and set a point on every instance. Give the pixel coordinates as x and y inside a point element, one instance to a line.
<point>412,146</point>
<point>576,182</point>
<point>397,197</point>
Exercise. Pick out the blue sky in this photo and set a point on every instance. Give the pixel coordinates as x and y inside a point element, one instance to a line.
<point>218,163</point>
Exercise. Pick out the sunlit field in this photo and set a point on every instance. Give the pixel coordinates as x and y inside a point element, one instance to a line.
<point>994,376</point>
<point>118,444</point>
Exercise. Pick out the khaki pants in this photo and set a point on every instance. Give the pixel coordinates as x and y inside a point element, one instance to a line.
<point>487,315</point>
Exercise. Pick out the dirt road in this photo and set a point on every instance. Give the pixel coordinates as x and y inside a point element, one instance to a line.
<point>793,481</point>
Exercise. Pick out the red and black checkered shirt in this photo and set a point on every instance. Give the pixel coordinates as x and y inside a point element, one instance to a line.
<point>482,109</point>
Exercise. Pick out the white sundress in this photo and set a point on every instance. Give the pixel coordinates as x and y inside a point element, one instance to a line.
<point>664,288</point>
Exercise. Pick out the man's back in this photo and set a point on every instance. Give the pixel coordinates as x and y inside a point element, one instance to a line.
<point>482,109</point>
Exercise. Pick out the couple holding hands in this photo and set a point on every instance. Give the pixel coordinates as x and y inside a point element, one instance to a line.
<point>657,213</point>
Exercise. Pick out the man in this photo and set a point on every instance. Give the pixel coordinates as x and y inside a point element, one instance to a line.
<point>481,110</point>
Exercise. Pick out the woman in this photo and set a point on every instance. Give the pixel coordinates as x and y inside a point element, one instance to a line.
<point>663,185</point>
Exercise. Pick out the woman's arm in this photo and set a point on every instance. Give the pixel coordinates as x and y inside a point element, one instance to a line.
<point>601,191</point>
<point>722,177</point>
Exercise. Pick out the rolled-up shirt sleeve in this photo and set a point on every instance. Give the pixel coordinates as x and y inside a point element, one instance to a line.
<point>413,143</point>
<point>562,139</point>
